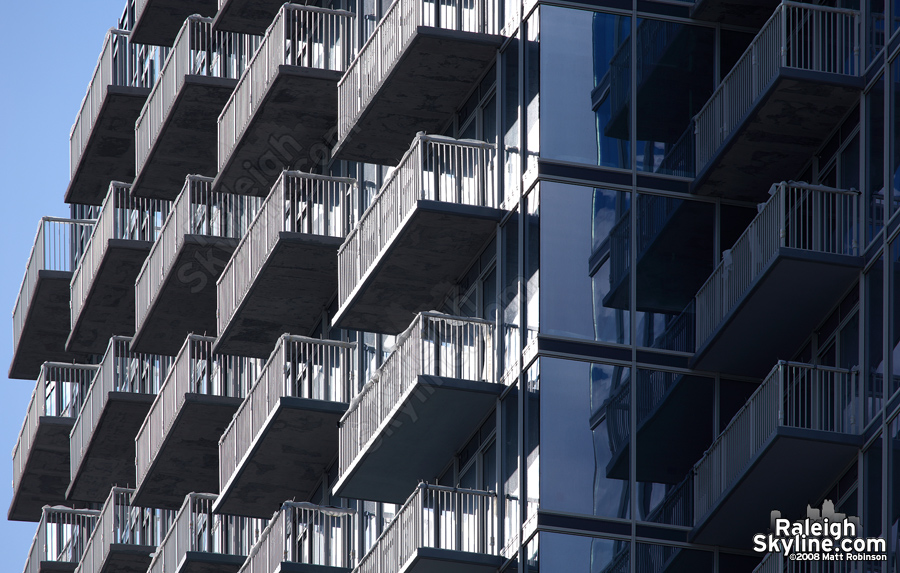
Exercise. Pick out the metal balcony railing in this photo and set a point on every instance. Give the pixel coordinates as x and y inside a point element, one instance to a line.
<point>778,563</point>
<point>121,63</point>
<point>59,392</point>
<point>793,395</point>
<point>398,26</point>
<point>195,370</point>
<point>121,370</point>
<point>653,214</point>
<point>438,517</point>
<point>305,36</point>
<point>798,216</point>
<point>200,51</point>
<point>120,523</point>
<point>652,388</point>
<point>299,367</point>
<point>58,246</point>
<point>303,533</point>
<point>62,536</point>
<point>196,211</point>
<point>298,203</point>
<point>436,168</point>
<point>798,35</point>
<point>434,344</point>
<point>121,217</point>
<point>197,528</point>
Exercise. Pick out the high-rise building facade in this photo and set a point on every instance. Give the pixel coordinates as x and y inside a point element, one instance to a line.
<point>470,285</point>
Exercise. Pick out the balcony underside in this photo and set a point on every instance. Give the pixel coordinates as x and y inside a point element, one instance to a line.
<point>47,325</point>
<point>290,292</point>
<point>292,567</point>
<point>159,22</point>
<point>674,264</point>
<point>754,335</point>
<point>433,418</point>
<point>775,139</point>
<point>192,442</point>
<point>186,301</point>
<point>109,458</point>
<point>748,13</point>
<point>672,437</point>
<point>432,75</point>
<point>298,440</point>
<point>56,567</point>
<point>109,307</point>
<point>124,558</point>
<point>109,153</point>
<point>433,247</point>
<point>246,16</point>
<point>287,130</point>
<point>186,144</point>
<point>46,475</point>
<point>806,462</point>
<point>431,560</point>
<point>205,562</point>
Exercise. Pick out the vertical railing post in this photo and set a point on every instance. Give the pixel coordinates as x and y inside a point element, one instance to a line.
<point>784,25</point>
<point>782,214</point>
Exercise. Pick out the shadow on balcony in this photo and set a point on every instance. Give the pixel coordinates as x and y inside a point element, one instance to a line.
<point>285,433</point>
<point>60,540</point>
<point>41,319</point>
<point>193,407</point>
<point>797,258</point>
<point>390,91</point>
<point>175,290</point>
<point>246,16</point>
<point>785,95</point>
<point>286,99</point>
<point>102,440</point>
<point>175,134</point>
<point>432,216</point>
<point>157,22</point>
<point>41,456</point>
<point>284,271</point>
<point>748,13</point>
<point>427,397</point>
<point>102,288</point>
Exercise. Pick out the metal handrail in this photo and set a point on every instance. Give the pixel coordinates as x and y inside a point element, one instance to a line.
<point>305,36</point>
<point>793,395</point>
<point>198,50</point>
<point>435,168</point>
<point>434,344</point>
<point>397,28</point>
<point>58,392</point>
<point>298,203</point>
<point>298,367</point>
<point>195,370</point>
<point>793,37</point>
<point>61,537</point>
<point>798,216</point>
<point>121,217</point>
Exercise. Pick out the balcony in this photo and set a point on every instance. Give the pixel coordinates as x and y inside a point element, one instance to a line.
<point>432,216</point>
<point>781,100</point>
<point>201,542</point>
<point>246,16</point>
<point>102,441</point>
<point>157,22</point>
<point>40,458</point>
<point>194,405</point>
<point>125,536</point>
<point>101,143</point>
<point>175,289</point>
<point>285,102</point>
<point>41,315</point>
<point>802,424</point>
<point>390,90</point>
<point>304,538</point>
<point>797,258</point>
<point>61,538</point>
<point>748,13</point>
<point>175,133</point>
<point>285,434</point>
<point>439,530</point>
<point>284,271</point>
<point>427,397</point>
<point>102,288</point>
